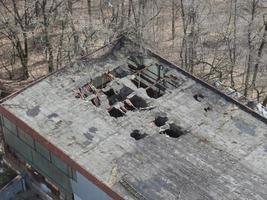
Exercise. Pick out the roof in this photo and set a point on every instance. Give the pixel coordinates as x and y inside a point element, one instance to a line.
<point>181,139</point>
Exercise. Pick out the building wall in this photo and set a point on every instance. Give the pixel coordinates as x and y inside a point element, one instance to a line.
<point>85,190</point>
<point>14,187</point>
<point>70,182</point>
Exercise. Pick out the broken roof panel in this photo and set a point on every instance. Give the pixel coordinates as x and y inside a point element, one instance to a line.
<point>208,148</point>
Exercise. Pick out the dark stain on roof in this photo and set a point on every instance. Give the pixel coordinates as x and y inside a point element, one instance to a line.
<point>33,112</point>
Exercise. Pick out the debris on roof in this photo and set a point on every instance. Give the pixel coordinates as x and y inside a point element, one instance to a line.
<point>169,133</point>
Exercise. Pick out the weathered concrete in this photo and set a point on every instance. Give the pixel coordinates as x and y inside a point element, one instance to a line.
<point>221,155</point>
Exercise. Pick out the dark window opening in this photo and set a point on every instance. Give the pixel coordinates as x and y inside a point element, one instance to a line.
<point>174,131</point>
<point>161,119</point>
<point>137,135</point>
<point>113,112</point>
<point>198,97</point>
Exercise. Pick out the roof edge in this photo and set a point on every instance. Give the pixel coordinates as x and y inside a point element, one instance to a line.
<point>58,152</point>
<point>61,69</point>
<point>203,83</point>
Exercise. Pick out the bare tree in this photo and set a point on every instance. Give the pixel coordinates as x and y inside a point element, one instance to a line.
<point>16,29</point>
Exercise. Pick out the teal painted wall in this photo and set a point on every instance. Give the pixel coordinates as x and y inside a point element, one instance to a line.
<point>38,156</point>
<point>50,166</point>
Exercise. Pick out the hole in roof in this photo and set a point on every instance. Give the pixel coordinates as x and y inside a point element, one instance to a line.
<point>207,109</point>
<point>137,135</point>
<point>198,97</point>
<point>102,81</point>
<point>152,93</point>
<point>136,67</point>
<point>91,87</point>
<point>136,62</point>
<point>121,96</point>
<point>174,131</point>
<point>125,91</point>
<point>160,119</point>
<point>96,101</point>
<point>121,72</point>
<point>151,79</point>
<point>128,105</point>
<point>109,93</point>
<point>139,84</point>
<point>138,102</point>
<point>114,112</point>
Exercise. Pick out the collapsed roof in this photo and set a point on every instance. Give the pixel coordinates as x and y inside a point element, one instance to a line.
<point>138,123</point>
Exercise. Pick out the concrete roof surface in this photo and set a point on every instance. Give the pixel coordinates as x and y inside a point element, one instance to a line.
<point>220,151</point>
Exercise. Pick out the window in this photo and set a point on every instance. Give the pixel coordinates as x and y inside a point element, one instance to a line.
<point>42,150</point>
<point>10,126</point>
<point>1,120</point>
<point>59,164</point>
<point>72,174</point>
<point>26,138</point>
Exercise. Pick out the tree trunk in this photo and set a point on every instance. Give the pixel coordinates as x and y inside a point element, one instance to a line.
<point>89,10</point>
<point>173,19</point>
<point>233,52</point>
<point>265,102</point>
<point>259,56</point>
<point>48,45</point>
<point>250,48</point>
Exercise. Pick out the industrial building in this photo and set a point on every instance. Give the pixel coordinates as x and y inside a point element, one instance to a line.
<point>131,125</point>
